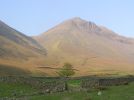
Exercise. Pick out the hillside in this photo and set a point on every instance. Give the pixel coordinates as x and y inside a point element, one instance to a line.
<point>90,48</point>
<point>18,51</point>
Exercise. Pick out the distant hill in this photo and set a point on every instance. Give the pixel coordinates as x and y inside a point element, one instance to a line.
<point>90,48</point>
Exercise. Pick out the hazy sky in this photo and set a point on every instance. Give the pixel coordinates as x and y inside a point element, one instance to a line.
<point>33,17</point>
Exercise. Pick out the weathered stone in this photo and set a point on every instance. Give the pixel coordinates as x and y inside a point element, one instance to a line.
<point>100,82</point>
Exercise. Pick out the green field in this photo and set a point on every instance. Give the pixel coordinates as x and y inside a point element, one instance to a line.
<point>17,90</point>
<point>112,93</point>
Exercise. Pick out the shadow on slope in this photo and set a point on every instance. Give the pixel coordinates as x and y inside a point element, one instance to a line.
<point>11,70</point>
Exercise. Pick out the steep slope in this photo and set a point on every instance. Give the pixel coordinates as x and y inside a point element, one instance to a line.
<point>18,50</point>
<point>88,47</point>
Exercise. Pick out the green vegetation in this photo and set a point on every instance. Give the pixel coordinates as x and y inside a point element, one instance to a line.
<point>18,90</point>
<point>15,89</point>
<point>66,71</point>
<point>63,96</point>
<point>74,82</point>
<point>112,93</point>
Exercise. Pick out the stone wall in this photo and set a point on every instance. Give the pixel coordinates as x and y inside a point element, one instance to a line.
<point>60,85</point>
<point>98,82</point>
<point>45,87</point>
<point>54,86</point>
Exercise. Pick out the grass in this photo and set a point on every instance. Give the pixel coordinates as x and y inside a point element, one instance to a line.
<point>74,82</point>
<point>123,92</point>
<point>15,89</point>
<point>61,96</point>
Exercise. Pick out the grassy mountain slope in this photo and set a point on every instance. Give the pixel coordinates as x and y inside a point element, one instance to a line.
<point>88,47</point>
<point>18,50</point>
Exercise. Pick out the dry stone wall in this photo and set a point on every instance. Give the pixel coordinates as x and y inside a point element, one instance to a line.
<point>45,87</point>
<point>97,82</point>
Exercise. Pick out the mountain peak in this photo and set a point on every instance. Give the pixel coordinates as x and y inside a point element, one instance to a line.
<point>77,19</point>
<point>81,24</point>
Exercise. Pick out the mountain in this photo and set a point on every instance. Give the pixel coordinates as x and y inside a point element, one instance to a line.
<point>18,52</point>
<point>90,48</point>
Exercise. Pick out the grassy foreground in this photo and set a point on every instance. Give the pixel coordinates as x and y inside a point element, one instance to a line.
<point>15,90</point>
<point>124,92</point>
